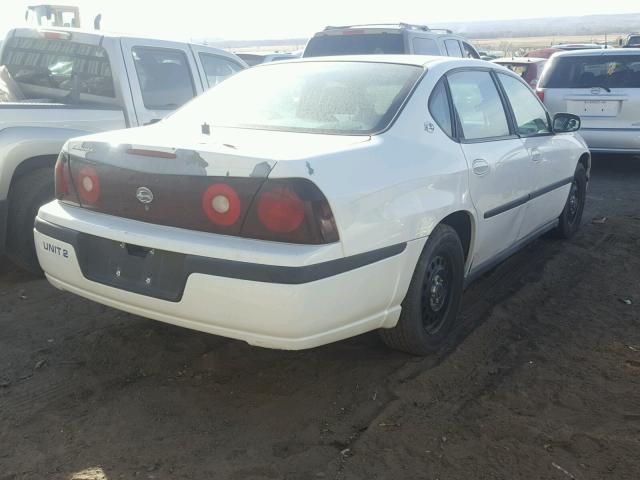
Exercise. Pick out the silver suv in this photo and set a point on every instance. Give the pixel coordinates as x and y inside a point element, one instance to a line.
<point>397,38</point>
<point>603,88</point>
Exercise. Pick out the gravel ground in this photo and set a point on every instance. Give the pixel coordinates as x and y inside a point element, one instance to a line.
<point>541,382</point>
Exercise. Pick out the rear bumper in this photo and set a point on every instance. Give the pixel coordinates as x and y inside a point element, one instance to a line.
<point>4,214</point>
<point>614,140</point>
<point>286,307</point>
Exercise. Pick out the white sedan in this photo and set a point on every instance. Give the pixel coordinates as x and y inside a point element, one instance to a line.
<point>300,203</point>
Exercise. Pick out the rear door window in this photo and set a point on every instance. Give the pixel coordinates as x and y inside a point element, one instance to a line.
<point>355,44</point>
<point>165,77</point>
<point>453,48</point>
<point>217,68</point>
<point>478,105</point>
<point>61,71</point>
<point>604,71</point>
<point>425,46</point>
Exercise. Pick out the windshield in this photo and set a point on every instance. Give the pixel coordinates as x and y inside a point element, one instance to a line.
<point>346,98</point>
<point>46,70</point>
<point>357,44</point>
<point>605,71</point>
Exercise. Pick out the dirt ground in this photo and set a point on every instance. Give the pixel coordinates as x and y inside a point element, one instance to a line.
<point>542,381</point>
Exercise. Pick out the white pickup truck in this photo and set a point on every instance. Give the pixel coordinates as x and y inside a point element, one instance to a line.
<point>58,83</point>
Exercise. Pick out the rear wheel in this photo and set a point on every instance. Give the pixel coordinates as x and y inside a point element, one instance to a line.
<point>571,216</point>
<point>26,197</point>
<point>432,302</point>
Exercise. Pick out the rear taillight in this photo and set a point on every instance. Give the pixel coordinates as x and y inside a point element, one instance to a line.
<point>64,186</point>
<point>87,185</point>
<point>221,204</point>
<point>280,210</point>
<point>540,94</point>
<point>290,210</point>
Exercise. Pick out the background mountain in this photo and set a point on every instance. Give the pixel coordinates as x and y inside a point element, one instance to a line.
<point>531,27</point>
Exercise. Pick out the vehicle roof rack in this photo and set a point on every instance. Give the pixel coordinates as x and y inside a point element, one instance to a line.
<point>400,25</point>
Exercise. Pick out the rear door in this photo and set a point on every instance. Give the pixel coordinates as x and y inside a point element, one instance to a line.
<point>500,178</point>
<point>551,159</point>
<point>163,77</point>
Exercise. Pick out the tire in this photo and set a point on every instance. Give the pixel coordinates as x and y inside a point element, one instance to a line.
<point>427,319</point>
<point>26,197</point>
<point>571,216</point>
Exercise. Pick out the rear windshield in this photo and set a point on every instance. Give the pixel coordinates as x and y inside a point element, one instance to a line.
<point>523,69</point>
<point>345,98</point>
<point>61,71</point>
<point>251,59</point>
<point>355,44</point>
<point>609,71</point>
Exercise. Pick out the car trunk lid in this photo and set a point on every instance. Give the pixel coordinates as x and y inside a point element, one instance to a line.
<point>130,174</point>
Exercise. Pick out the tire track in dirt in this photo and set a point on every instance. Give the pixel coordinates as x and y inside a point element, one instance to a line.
<point>505,346</point>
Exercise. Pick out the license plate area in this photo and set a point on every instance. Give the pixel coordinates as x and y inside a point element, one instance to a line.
<point>594,108</point>
<point>134,268</point>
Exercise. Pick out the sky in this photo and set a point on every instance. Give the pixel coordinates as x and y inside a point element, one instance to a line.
<point>267,19</point>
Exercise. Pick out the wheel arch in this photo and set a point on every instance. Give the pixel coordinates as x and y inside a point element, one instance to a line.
<point>585,160</point>
<point>463,222</point>
<point>33,163</point>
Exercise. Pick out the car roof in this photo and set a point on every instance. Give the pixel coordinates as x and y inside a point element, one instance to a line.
<point>423,61</point>
<point>597,52</point>
<point>519,60</point>
<point>85,33</point>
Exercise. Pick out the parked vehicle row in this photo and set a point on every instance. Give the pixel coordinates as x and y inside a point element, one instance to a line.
<point>57,83</point>
<point>299,202</point>
<point>303,202</point>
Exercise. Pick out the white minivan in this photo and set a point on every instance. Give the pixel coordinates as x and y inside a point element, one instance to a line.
<point>603,88</point>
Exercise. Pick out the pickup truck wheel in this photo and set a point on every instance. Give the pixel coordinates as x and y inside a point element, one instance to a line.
<point>569,220</point>
<point>26,197</point>
<point>432,302</point>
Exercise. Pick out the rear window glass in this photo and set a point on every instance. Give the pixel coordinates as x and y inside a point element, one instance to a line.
<point>345,98</point>
<point>164,76</point>
<point>610,71</point>
<point>61,71</point>
<point>356,44</point>
<point>518,68</point>
<point>251,59</point>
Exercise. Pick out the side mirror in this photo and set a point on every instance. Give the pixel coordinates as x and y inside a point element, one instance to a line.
<point>565,123</point>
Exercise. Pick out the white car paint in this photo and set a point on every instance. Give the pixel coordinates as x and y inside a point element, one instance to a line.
<point>387,190</point>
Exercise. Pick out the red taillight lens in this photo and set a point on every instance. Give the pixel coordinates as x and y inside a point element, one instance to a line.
<point>292,210</point>
<point>221,204</point>
<point>540,94</point>
<point>88,185</point>
<point>62,178</point>
<point>280,210</point>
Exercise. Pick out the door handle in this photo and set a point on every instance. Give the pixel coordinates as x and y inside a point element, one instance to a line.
<point>152,121</point>
<point>480,167</point>
<point>536,156</point>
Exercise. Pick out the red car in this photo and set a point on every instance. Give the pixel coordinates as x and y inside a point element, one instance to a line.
<point>529,68</point>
